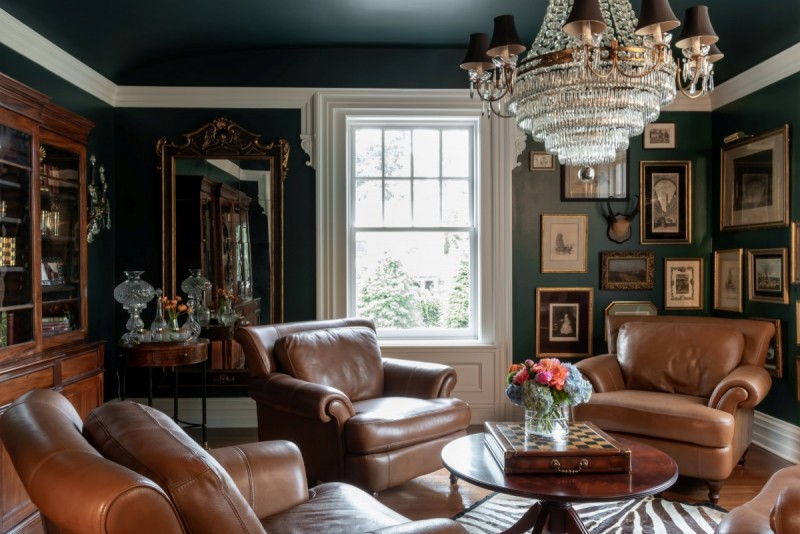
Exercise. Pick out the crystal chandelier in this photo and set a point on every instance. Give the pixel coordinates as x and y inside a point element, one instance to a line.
<point>593,77</point>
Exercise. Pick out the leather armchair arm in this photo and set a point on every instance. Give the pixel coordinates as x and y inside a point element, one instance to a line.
<point>422,380</point>
<point>603,371</point>
<point>745,387</point>
<point>269,474</point>
<point>301,398</point>
<point>784,517</point>
<point>425,526</point>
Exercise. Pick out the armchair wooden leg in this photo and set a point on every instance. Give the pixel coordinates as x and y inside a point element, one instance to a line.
<point>453,479</point>
<point>713,490</point>
<point>744,455</point>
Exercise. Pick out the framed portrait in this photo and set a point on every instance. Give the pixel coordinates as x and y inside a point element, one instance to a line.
<point>794,263</point>
<point>608,181</point>
<point>659,135</point>
<point>774,363</point>
<point>755,182</point>
<point>728,280</point>
<point>665,201</point>
<point>627,270</point>
<point>767,275</point>
<point>683,283</point>
<point>542,161</point>
<point>564,321</point>
<point>563,243</point>
<point>52,272</point>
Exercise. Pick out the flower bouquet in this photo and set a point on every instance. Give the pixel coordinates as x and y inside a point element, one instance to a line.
<point>545,389</point>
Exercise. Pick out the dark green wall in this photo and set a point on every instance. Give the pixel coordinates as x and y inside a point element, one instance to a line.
<point>539,192</point>
<point>762,111</point>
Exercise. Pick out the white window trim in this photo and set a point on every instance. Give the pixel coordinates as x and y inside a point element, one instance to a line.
<point>500,145</point>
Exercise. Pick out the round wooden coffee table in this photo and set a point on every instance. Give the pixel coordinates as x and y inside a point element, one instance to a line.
<point>652,471</point>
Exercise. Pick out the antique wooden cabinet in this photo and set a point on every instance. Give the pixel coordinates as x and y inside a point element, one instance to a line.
<point>43,271</point>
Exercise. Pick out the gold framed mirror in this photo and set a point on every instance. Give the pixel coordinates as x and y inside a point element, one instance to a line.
<point>222,148</point>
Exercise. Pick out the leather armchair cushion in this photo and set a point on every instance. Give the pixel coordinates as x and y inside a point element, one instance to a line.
<point>659,415</point>
<point>151,444</point>
<point>348,359</point>
<point>391,423</point>
<point>685,358</point>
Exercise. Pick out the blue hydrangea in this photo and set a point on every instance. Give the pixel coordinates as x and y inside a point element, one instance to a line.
<point>576,387</point>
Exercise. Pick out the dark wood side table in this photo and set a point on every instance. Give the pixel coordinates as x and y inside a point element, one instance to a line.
<point>652,471</point>
<point>168,354</point>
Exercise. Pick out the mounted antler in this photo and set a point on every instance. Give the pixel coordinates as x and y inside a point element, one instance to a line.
<point>619,224</point>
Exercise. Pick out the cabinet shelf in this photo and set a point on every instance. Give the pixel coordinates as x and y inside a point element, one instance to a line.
<point>58,289</point>
<point>10,220</point>
<point>16,307</point>
<point>67,300</point>
<point>9,183</point>
<point>15,165</point>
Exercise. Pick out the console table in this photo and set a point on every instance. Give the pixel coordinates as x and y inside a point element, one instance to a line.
<point>168,354</point>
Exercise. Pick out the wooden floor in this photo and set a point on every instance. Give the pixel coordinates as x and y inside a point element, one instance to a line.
<point>432,495</point>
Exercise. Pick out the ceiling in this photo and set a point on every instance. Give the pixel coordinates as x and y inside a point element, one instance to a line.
<point>115,38</point>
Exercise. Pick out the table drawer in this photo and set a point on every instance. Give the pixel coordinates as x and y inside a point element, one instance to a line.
<point>79,365</point>
<point>14,387</point>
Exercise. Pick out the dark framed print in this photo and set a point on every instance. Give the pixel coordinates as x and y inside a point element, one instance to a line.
<point>659,136</point>
<point>563,243</point>
<point>683,283</point>
<point>564,321</point>
<point>767,275</point>
<point>627,270</point>
<point>52,272</point>
<point>542,161</point>
<point>666,201</point>
<point>728,280</point>
<point>608,181</point>
<point>755,182</point>
<point>774,363</point>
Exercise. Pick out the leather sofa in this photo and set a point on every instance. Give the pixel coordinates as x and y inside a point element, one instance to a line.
<point>685,385</point>
<point>130,469</point>
<point>776,508</point>
<point>357,417</point>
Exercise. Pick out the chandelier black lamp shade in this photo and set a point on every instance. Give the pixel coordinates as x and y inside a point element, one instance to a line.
<point>594,76</point>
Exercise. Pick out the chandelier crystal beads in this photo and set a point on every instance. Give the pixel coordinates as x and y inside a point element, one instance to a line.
<point>594,76</point>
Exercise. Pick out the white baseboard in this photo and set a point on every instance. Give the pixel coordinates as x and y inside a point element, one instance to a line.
<point>777,436</point>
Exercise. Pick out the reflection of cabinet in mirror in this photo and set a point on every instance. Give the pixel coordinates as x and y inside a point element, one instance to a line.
<point>212,231</point>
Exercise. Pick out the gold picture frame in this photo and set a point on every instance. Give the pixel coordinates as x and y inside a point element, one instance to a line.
<point>774,362</point>
<point>767,280</point>
<point>563,243</point>
<point>755,182</point>
<point>659,136</point>
<point>627,270</point>
<point>683,283</point>
<point>728,277</point>
<point>610,182</point>
<point>542,161</point>
<point>564,322</point>
<point>794,262</point>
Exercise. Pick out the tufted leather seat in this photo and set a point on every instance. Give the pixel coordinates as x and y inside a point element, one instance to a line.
<point>130,469</point>
<point>357,417</point>
<point>685,385</point>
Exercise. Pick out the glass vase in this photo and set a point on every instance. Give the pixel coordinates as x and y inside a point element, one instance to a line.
<point>550,425</point>
<point>176,332</point>
<point>226,314</point>
<point>134,294</point>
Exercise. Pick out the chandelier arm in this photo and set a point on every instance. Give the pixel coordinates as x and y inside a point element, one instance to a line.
<point>682,87</point>
<point>483,95</point>
<point>616,67</point>
<point>498,113</point>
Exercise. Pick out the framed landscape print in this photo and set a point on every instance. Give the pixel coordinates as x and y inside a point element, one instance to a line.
<point>755,182</point>
<point>774,363</point>
<point>627,270</point>
<point>767,280</point>
<point>659,135</point>
<point>563,243</point>
<point>542,161</point>
<point>683,283</point>
<point>564,322</point>
<point>728,280</point>
<point>666,201</point>
<point>607,181</point>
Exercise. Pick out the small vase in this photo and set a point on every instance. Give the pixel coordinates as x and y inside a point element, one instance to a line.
<point>552,425</point>
<point>176,332</point>
<point>226,314</point>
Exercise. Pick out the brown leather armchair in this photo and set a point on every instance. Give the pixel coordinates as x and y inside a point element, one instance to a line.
<point>685,385</point>
<point>130,469</point>
<point>776,508</point>
<point>357,417</point>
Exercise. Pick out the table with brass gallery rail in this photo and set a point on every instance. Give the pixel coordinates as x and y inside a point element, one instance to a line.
<point>652,471</point>
<point>173,354</point>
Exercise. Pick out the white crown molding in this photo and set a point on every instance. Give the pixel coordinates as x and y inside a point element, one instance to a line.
<point>133,96</point>
<point>774,69</point>
<point>33,46</point>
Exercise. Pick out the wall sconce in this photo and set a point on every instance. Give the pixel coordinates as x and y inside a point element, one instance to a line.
<point>99,208</point>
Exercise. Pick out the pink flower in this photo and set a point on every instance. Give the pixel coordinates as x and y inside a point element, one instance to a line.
<point>521,376</point>
<point>544,377</point>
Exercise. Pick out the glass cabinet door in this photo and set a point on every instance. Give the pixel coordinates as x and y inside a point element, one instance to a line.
<point>16,289</point>
<point>60,228</point>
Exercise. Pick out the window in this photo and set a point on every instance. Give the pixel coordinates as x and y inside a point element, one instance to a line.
<point>412,235</point>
